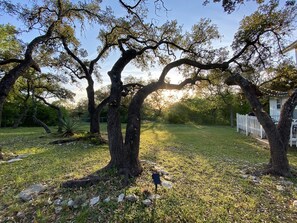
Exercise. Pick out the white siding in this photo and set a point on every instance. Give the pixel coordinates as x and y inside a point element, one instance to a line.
<point>274,111</point>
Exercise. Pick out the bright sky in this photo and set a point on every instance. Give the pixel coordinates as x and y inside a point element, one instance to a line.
<point>186,12</point>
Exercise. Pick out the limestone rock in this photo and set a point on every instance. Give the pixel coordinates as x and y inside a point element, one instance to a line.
<point>121,197</point>
<point>154,197</point>
<point>131,197</point>
<point>30,192</point>
<point>14,160</point>
<point>167,184</point>
<point>70,203</point>
<point>160,170</point>
<point>280,188</point>
<point>147,202</point>
<point>20,214</point>
<point>106,199</point>
<point>167,177</point>
<point>21,156</point>
<point>244,176</point>
<point>94,201</point>
<point>58,202</point>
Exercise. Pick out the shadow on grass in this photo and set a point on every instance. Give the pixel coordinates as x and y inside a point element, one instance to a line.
<point>103,175</point>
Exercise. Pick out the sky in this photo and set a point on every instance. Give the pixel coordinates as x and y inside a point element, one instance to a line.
<point>186,12</point>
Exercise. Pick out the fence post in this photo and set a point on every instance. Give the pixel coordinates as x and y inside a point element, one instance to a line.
<point>291,135</point>
<point>237,122</point>
<point>246,125</point>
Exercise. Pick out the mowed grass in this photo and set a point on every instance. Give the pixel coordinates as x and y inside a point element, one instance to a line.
<point>206,165</point>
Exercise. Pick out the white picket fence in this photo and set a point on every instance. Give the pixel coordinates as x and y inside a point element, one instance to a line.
<point>250,125</point>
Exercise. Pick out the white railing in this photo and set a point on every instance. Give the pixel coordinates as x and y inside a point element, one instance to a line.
<point>250,125</point>
<point>293,134</point>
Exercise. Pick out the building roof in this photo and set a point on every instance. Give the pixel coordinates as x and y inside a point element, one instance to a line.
<point>291,47</point>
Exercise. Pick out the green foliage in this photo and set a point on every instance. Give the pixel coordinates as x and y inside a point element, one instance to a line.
<point>267,29</point>
<point>10,113</point>
<point>10,46</point>
<point>209,110</point>
<point>283,77</point>
<point>69,126</point>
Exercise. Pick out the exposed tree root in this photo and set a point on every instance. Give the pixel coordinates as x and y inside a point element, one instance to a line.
<point>104,174</point>
<point>97,140</point>
<point>61,141</point>
<point>87,181</point>
<point>271,171</point>
<point>267,169</point>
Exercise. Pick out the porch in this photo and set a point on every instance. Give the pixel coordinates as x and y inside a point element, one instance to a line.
<point>250,126</point>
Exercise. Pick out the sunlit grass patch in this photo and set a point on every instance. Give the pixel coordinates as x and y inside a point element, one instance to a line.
<point>205,165</point>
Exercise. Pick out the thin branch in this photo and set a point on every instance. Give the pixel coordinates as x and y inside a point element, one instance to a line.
<point>83,66</point>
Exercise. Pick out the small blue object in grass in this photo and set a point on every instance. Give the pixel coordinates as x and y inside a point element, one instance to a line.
<point>156,178</point>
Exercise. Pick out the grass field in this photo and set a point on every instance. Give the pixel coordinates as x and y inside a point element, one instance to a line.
<point>209,167</point>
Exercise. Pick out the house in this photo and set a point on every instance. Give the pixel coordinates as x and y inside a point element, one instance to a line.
<point>275,105</point>
<point>291,47</point>
<point>276,102</point>
<point>250,124</point>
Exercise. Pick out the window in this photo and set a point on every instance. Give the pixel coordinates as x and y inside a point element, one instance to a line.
<point>278,103</point>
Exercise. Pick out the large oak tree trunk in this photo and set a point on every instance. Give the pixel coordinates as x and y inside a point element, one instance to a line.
<point>120,156</point>
<point>278,136</point>
<point>132,139</point>
<point>94,121</point>
<point>92,109</point>
<point>231,116</point>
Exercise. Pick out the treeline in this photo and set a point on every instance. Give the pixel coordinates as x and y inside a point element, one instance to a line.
<point>13,112</point>
<point>212,110</point>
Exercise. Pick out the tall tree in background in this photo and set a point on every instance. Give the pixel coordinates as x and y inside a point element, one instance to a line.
<point>39,87</point>
<point>78,66</point>
<point>46,18</point>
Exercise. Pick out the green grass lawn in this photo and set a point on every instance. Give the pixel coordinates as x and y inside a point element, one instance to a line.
<point>206,164</point>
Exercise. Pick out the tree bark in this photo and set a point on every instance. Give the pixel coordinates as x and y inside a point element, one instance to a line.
<point>42,124</point>
<point>278,136</point>
<point>94,119</point>
<point>59,112</point>
<point>119,154</point>
<point>98,111</point>
<point>132,138</point>
<point>231,116</point>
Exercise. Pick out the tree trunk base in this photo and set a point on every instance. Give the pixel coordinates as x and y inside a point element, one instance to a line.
<point>94,179</point>
<point>127,172</point>
<point>272,171</point>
